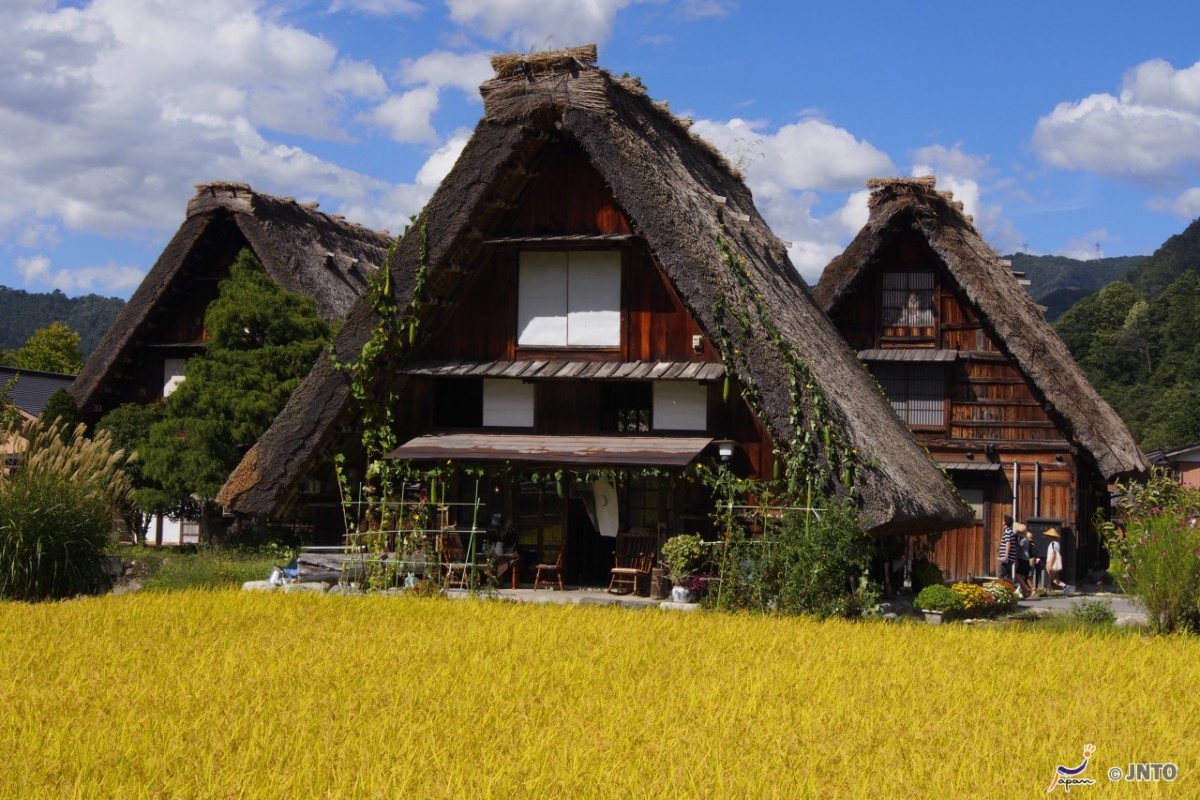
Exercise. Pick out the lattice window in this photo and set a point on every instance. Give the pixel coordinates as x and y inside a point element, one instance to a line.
<point>916,391</point>
<point>908,303</point>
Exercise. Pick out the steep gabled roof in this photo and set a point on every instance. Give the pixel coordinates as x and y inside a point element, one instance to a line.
<point>682,198</point>
<point>305,251</point>
<point>903,204</point>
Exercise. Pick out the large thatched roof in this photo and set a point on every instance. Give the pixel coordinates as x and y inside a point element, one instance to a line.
<point>304,250</point>
<point>902,204</point>
<point>680,196</point>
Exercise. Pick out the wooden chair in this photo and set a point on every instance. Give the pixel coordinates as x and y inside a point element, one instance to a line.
<point>555,569</point>
<point>633,559</point>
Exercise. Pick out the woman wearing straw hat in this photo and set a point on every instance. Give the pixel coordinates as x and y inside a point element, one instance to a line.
<point>1054,562</point>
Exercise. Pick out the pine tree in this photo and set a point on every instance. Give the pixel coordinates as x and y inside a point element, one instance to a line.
<point>261,342</point>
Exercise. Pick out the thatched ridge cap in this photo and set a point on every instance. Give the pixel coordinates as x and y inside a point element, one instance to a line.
<point>916,190</point>
<point>545,62</point>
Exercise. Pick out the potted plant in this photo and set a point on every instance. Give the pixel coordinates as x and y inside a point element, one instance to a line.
<point>938,602</point>
<point>682,555</point>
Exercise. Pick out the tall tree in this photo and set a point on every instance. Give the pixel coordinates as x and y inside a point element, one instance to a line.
<point>54,348</point>
<point>129,425</point>
<point>261,342</point>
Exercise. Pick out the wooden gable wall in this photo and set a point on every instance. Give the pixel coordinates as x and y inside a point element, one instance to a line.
<point>174,328</point>
<point>988,398</point>
<point>570,198</point>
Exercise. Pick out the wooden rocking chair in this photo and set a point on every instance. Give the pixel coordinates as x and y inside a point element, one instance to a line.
<point>633,559</point>
<point>555,569</point>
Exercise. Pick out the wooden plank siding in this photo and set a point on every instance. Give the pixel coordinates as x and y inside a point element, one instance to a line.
<point>992,412</point>
<point>569,198</point>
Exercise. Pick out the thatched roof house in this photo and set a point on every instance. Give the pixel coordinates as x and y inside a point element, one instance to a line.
<point>967,359</point>
<point>304,250</point>
<point>677,198</point>
<point>1006,307</point>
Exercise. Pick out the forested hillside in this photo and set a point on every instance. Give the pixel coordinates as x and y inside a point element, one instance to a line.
<point>1058,282</point>
<point>1139,342</point>
<point>22,313</point>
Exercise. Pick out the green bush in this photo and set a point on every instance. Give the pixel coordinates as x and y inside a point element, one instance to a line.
<point>806,564</point>
<point>56,514</point>
<point>939,597</point>
<point>1098,613</point>
<point>926,573</point>
<point>1155,550</point>
<point>682,554</point>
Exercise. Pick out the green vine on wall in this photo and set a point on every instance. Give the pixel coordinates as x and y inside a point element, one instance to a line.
<point>372,387</point>
<point>814,432</point>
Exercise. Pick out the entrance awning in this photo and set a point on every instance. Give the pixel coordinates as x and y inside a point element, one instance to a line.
<point>624,451</point>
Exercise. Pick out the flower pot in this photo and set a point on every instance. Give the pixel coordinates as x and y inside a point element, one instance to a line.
<point>680,594</point>
<point>936,617</point>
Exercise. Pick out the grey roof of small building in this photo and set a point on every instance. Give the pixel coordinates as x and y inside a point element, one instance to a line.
<point>33,388</point>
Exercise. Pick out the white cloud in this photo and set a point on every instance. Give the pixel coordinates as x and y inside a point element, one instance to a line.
<point>810,154</point>
<point>109,279</point>
<point>1150,133</point>
<point>1156,83</point>
<point>441,69</point>
<point>443,159</point>
<point>700,9</point>
<point>545,24</point>
<point>407,117</point>
<point>112,111</point>
<point>791,169</point>
<point>382,8</point>
<point>1186,204</point>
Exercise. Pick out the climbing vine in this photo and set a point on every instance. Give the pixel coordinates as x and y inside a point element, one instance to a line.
<point>815,432</point>
<point>371,387</point>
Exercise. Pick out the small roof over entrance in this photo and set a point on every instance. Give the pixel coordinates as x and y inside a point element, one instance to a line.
<point>642,451</point>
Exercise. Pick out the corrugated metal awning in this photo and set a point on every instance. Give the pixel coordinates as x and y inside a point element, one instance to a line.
<point>550,370</point>
<point>969,466</point>
<point>922,354</point>
<point>630,451</point>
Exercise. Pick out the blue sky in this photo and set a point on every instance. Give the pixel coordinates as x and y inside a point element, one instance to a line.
<point>1065,127</point>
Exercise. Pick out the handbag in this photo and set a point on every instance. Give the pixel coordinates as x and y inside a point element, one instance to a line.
<point>1053,561</point>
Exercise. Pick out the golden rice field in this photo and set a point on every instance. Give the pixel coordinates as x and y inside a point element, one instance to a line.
<point>238,695</point>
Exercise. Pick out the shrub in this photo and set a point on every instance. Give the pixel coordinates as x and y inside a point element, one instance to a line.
<point>926,573</point>
<point>1155,549</point>
<point>802,564</point>
<point>939,598</point>
<point>1093,612</point>
<point>682,554</point>
<point>56,514</point>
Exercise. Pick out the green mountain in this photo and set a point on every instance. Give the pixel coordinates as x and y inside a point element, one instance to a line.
<point>1058,282</point>
<point>1138,341</point>
<point>22,313</point>
<point>1177,255</point>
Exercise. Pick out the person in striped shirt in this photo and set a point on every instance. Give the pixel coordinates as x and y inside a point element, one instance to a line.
<point>1008,549</point>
